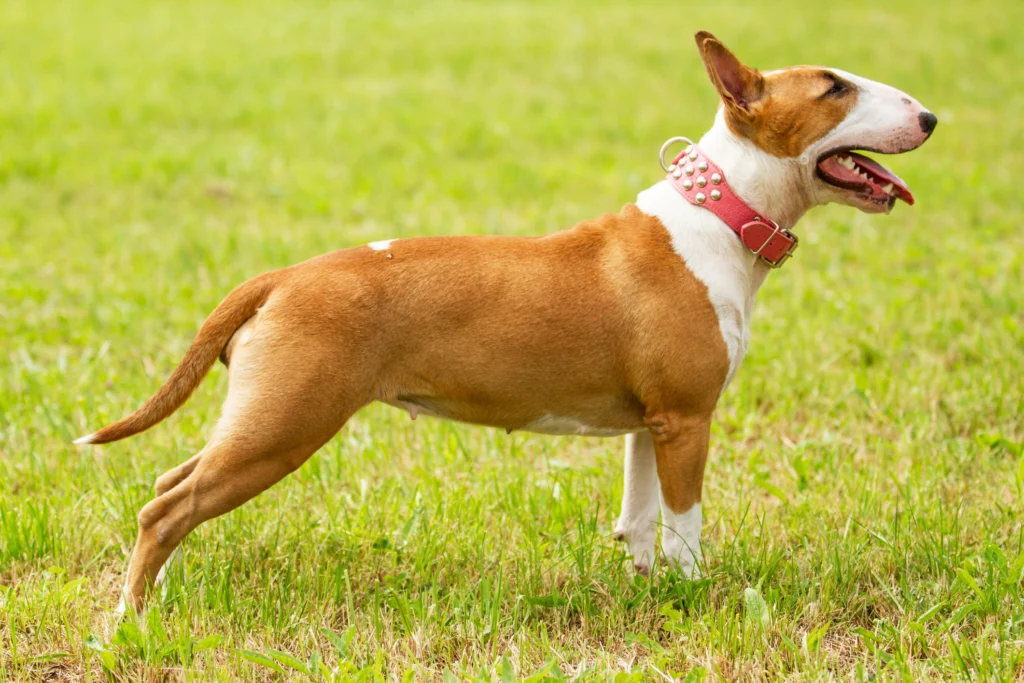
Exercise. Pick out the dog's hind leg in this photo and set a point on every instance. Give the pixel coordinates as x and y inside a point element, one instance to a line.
<point>164,483</point>
<point>276,415</point>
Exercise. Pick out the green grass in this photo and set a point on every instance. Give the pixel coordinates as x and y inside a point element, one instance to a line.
<point>865,489</point>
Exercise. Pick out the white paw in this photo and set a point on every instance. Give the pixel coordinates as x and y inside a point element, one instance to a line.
<point>682,558</point>
<point>680,540</point>
<point>640,541</point>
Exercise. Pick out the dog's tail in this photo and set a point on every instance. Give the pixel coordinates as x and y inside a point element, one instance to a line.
<point>240,305</point>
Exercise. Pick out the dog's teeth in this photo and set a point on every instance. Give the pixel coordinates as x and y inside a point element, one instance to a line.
<point>847,163</point>
<point>887,189</point>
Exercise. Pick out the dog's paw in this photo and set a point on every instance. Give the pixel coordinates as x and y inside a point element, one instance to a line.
<point>686,564</point>
<point>640,543</point>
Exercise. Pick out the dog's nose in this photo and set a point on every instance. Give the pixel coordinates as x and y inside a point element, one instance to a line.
<point>928,121</point>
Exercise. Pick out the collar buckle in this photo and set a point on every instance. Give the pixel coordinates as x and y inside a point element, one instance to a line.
<point>795,242</point>
<point>768,241</point>
<point>789,252</point>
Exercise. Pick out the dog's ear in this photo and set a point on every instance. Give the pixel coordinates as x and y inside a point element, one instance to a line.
<point>738,85</point>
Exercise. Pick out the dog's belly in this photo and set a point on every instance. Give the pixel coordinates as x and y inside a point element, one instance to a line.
<point>601,418</point>
<point>561,425</point>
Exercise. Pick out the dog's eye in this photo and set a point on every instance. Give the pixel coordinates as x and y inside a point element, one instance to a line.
<point>838,87</point>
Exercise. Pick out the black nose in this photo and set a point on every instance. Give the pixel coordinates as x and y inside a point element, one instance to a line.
<point>928,121</point>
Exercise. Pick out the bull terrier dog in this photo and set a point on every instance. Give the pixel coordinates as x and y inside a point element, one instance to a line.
<point>630,324</point>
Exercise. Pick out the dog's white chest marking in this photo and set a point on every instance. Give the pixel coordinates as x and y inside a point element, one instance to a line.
<point>717,258</point>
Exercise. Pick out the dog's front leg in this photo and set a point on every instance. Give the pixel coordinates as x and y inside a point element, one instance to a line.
<point>681,450</point>
<point>638,521</point>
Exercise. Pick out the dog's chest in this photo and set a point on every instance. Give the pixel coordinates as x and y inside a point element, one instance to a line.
<point>716,257</point>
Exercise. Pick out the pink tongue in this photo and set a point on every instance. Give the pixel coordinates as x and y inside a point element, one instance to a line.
<point>877,175</point>
<point>885,175</point>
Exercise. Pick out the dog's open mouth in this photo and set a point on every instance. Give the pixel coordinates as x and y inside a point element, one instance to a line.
<point>871,182</point>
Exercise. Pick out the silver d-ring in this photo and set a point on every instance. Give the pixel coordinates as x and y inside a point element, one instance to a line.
<point>661,154</point>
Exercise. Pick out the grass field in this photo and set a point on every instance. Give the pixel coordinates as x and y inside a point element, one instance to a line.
<point>865,490</point>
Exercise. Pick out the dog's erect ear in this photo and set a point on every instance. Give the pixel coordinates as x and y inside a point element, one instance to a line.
<point>738,85</point>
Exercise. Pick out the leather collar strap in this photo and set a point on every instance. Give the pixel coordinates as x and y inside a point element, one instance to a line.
<point>703,183</point>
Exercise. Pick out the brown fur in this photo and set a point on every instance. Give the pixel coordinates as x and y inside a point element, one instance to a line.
<point>782,113</point>
<point>603,324</point>
<point>681,450</point>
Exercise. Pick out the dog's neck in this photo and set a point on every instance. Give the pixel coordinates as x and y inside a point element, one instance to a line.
<point>782,189</point>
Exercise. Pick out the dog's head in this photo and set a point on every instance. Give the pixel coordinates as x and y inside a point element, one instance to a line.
<point>816,117</point>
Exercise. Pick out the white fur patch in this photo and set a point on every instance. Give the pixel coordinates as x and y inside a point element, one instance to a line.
<point>638,520</point>
<point>680,539</point>
<point>380,245</point>
<point>84,440</point>
<point>560,425</point>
